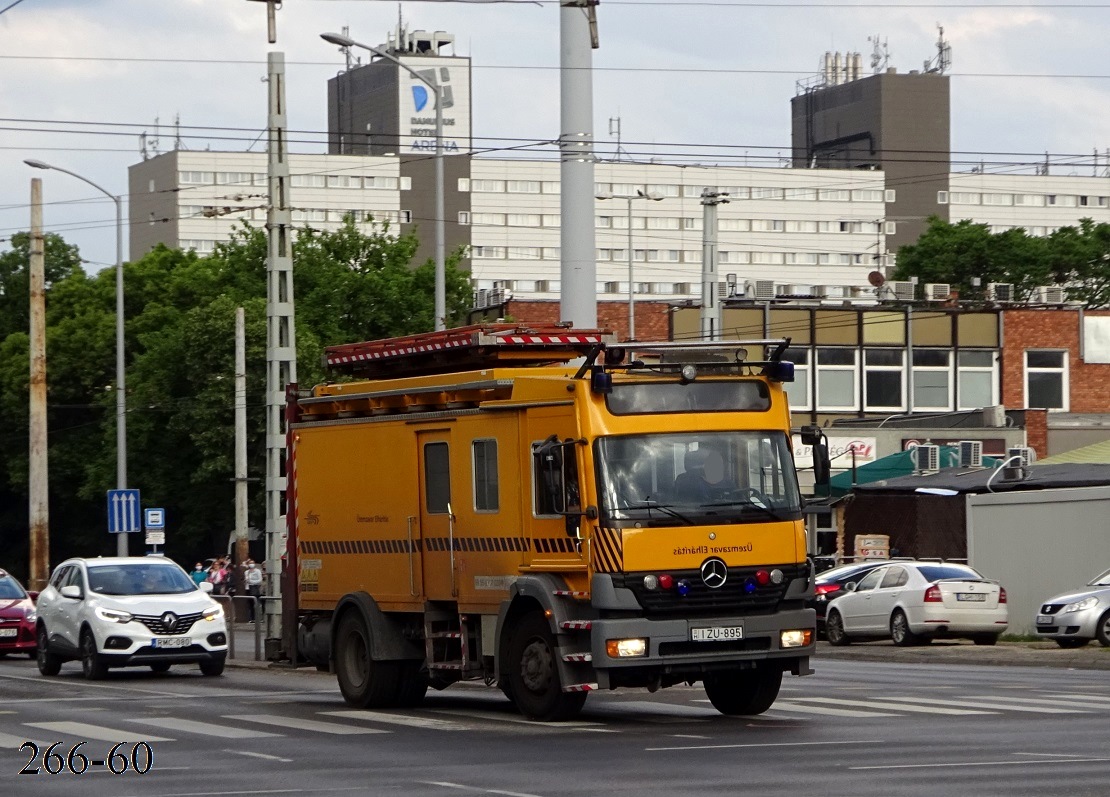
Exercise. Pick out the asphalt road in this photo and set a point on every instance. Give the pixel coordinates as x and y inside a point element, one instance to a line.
<point>856,727</point>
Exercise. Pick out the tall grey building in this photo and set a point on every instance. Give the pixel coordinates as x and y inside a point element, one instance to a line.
<point>380,108</point>
<point>897,123</point>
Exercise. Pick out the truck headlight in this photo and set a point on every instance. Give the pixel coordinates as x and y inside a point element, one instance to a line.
<point>797,638</point>
<point>624,648</point>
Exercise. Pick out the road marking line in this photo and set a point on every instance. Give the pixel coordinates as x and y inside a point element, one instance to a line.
<point>688,736</point>
<point>786,705</point>
<point>985,763</point>
<point>893,704</point>
<point>994,704</point>
<point>428,723</point>
<point>229,793</point>
<point>1067,703</point>
<point>763,744</point>
<point>13,742</point>
<point>303,724</point>
<point>261,755</point>
<point>516,719</point>
<point>477,789</point>
<point>99,732</point>
<point>205,728</point>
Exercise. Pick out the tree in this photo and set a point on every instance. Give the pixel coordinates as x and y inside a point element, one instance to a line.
<point>1075,257</point>
<point>355,283</point>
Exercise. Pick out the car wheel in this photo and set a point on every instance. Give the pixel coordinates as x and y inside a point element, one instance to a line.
<point>92,663</point>
<point>742,692</point>
<point>213,667</point>
<point>985,639</point>
<point>534,673</point>
<point>1102,630</point>
<point>900,630</point>
<point>364,682</point>
<point>49,664</point>
<point>160,667</point>
<point>1070,643</point>
<point>834,630</point>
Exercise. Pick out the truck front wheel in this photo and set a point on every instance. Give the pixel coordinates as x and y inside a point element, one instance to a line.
<point>743,691</point>
<point>365,683</point>
<point>533,675</point>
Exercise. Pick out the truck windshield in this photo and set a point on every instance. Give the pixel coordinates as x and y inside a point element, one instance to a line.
<point>696,478</point>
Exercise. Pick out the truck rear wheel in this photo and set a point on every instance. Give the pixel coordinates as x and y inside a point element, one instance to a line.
<point>364,682</point>
<point>534,684</point>
<point>743,691</point>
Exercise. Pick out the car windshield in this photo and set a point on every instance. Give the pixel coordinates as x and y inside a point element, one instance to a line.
<point>10,589</point>
<point>1101,581</point>
<point>838,573</point>
<point>939,572</point>
<point>139,579</point>
<point>706,478</point>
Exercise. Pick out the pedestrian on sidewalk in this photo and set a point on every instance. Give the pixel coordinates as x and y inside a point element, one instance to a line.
<point>253,577</point>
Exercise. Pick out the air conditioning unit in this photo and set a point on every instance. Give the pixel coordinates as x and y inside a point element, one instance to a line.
<point>612,287</point>
<point>722,290</point>
<point>1000,292</point>
<point>902,291</point>
<point>1049,294</point>
<point>926,458</point>
<point>937,291</point>
<point>1022,456</point>
<point>481,297</point>
<point>971,453</point>
<point>543,286</point>
<point>761,290</point>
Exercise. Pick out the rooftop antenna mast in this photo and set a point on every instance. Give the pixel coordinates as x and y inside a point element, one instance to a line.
<point>943,61</point>
<point>615,129</point>
<point>880,54</point>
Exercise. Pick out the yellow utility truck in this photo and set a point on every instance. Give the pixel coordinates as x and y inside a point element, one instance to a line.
<point>547,510</point>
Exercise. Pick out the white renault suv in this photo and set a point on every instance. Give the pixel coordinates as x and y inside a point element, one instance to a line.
<point>128,612</point>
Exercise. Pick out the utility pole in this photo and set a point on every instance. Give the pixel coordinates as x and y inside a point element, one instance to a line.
<point>281,348</point>
<point>241,546</point>
<point>578,266</point>
<point>710,321</point>
<point>38,475</point>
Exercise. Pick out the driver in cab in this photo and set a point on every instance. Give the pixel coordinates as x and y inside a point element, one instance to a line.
<point>703,479</point>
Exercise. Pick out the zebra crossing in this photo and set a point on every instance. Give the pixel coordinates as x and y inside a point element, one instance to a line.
<point>602,716</point>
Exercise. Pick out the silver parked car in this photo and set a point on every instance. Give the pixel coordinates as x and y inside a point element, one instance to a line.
<point>1075,618</point>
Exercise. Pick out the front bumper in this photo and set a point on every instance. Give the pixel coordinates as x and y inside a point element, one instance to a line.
<point>22,642</point>
<point>1075,625</point>
<point>670,645</point>
<point>132,645</point>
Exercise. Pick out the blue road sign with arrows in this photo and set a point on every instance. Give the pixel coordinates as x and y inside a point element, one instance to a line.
<point>124,512</point>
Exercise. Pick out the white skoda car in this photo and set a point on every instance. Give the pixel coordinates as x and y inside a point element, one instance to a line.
<point>916,602</point>
<point>128,612</point>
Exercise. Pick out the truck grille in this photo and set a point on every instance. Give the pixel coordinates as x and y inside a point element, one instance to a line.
<point>701,599</point>
<point>182,626</point>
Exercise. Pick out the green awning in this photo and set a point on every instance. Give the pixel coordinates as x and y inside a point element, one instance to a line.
<point>892,467</point>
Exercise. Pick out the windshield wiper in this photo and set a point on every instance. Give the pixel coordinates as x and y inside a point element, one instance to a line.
<point>666,509</point>
<point>771,513</point>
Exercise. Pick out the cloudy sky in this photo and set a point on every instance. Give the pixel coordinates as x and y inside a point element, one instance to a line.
<point>80,80</point>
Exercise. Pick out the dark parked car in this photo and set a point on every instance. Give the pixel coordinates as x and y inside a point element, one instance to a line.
<point>830,585</point>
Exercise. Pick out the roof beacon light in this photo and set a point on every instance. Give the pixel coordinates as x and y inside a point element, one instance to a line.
<point>683,587</point>
<point>689,372</point>
<point>750,585</point>
<point>651,582</point>
<point>762,577</point>
<point>666,581</point>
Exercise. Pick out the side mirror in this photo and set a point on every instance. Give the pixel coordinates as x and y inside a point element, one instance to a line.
<point>850,586</point>
<point>205,586</point>
<point>71,591</point>
<point>33,595</point>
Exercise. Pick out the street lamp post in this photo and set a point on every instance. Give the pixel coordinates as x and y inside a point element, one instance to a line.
<point>441,275</point>
<point>121,396</point>
<point>654,197</point>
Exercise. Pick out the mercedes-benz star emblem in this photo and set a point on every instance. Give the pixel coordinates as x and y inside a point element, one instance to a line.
<point>714,572</point>
<point>169,621</point>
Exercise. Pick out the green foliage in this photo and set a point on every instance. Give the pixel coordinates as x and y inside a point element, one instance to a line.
<point>1076,257</point>
<point>356,283</point>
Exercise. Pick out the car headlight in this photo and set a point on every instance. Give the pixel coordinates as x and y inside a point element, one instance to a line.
<point>31,614</point>
<point>113,615</point>
<point>1079,606</point>
<point>213,614</point>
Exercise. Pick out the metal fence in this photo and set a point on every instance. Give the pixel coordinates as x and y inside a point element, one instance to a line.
<point>252,604</point>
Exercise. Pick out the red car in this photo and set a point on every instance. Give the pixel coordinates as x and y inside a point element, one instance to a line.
<point>17,617</point>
